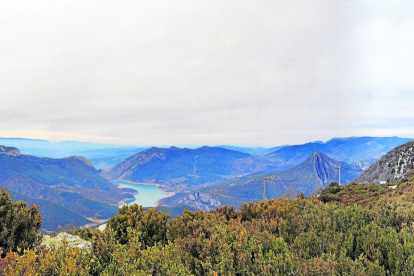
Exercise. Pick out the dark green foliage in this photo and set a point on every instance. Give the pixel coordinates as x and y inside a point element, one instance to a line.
<point>110,257</point>
<point>333,184</point>
<point>18,224</point>
<point>184,224</point>
<point>352,193</point>
<point>151,223</point>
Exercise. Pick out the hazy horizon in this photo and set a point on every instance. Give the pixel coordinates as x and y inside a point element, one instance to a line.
<point>198,145</point>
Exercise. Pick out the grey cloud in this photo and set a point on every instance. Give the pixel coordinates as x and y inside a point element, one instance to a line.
<point>194,72</point>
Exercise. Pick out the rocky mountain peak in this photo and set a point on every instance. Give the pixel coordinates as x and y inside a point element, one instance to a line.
<point>394,165</point>
<point>318,155</point>
<point>318,158</point>
<point>9,151</point>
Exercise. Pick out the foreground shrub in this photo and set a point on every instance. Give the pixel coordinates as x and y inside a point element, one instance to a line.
<point>62,260</point>
<point>132,259</point>
<point>151,223</point>
<point>18,224</point>
<point>276,237</point>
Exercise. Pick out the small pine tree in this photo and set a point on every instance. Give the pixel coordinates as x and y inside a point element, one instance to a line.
<point>19,225</point>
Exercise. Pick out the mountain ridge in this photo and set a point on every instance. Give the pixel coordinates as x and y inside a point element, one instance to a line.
<point>394,165</point>
<point>70,183</point>
<point>317,171</point>
<point>175,166</point>
<point>350,150</point>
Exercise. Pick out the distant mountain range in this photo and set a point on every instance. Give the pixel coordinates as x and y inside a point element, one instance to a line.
<point>206,165</point>
<point>70,183</point>
<point>363,151</point>
<point>316,171</point>
<point>102,156</point>
<point>252,150</point>
<point>393,165</point>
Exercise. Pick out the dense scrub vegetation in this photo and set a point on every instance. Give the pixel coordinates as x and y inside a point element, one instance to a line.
<point>18,224</point>
<point>348,230</point>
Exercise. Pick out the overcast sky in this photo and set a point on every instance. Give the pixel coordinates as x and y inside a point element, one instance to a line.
<point>206,72</point>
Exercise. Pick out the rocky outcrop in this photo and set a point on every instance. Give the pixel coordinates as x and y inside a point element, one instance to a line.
<point>394,165</point>
<point>74,241</point>
<point>202,199</point>
<point>9,151</point>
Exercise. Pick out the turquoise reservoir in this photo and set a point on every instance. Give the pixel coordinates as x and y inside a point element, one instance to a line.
<point>147,196</point>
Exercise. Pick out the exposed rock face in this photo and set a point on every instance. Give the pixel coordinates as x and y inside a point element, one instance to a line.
<point>207,201</point>
<point>394,165</point>
<point>9,151</point>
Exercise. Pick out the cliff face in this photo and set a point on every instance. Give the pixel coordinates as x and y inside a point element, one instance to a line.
<point>9,151</point>
<point>394,165</point>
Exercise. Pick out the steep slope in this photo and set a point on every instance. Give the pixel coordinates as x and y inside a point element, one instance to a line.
<point>362,150</point>
<point>393,165</point>
<point>316,171</point>
<point>54,215</point>
<point>175,166</point>
<point>72,183</point>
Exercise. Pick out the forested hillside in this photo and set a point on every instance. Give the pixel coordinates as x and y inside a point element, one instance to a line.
<point>68,190</point>
<point>349,230</point>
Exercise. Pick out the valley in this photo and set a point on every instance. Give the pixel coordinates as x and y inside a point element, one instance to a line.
<point>71,191</point>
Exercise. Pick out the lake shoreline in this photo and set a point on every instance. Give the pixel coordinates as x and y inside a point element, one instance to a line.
<point>148,194</point>
<point>140,183</point>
